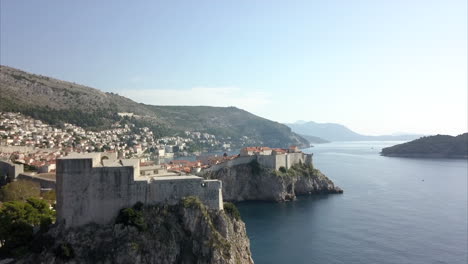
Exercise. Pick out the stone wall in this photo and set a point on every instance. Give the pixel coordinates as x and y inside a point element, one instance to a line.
<point>169,190</point>
<point>88,193</point>
<point>10,169</point>
<point>269,161</point>
<point>231,163</point>
<point>43,182</point>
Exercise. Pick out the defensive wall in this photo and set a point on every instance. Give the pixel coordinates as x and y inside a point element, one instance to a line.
<point>44,183</point>
<point>10,169</point>
<point>91,190</point>
<point>272,161</point>
<point>231,163</point>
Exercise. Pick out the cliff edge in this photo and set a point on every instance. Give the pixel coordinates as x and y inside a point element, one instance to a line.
<point>249,182</point>
<point>182,233</point>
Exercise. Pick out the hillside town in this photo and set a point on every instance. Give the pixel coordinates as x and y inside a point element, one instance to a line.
<point>35,143</point>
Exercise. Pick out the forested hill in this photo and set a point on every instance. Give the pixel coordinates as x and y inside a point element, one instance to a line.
<point>439,146</point>
<point>55,102</point>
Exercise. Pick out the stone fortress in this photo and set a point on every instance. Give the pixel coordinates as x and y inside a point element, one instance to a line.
<point>272,158</point>
<point>94,187</point>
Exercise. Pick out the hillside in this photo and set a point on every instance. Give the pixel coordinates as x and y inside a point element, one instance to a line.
<point>55,101</point>
<point>439,146</point>
<point>338,132</point>
<point>315,140</point>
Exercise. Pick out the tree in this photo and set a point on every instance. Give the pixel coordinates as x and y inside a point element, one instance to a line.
<point>19,191</point>
<point>17,222</point>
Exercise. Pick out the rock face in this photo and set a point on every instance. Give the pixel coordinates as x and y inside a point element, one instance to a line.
<point>248,182</point>
<point>184,233</point>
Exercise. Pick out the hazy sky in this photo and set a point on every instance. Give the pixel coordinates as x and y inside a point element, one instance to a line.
<point>377,66</point>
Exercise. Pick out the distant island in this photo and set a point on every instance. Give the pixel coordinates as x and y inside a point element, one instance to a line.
<point>338,132</point>
<point>439,146</point>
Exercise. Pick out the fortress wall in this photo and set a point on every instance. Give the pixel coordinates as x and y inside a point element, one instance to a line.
<point>112,189</point>
<point>280,161</point>
<point>96,194</point>
<point>44,183</point>
<point>269,161</point>
<point>212,194</point>
<point>170,190</point>
<point>230,163</point>
<point>308,159</point>
<point>11,169</point>
<point>74,185</point>
<point>295,158</point>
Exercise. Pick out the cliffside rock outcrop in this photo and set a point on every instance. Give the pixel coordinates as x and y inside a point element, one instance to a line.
<point>184,233</point>
<point>248,182</point>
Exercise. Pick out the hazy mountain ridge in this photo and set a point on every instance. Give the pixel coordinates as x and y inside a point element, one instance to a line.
<point>439,146</point>
<point>338,132</point>
<point>55,101</point>
<point>315,140</point>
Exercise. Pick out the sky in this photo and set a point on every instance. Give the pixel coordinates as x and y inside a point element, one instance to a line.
<point>376,66</point>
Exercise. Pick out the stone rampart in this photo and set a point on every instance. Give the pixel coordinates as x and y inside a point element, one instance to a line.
<point>10,169</point>
<point>274,161</point>
<point>231,163</point>
<point>43,182</point>
<point>88,192</point>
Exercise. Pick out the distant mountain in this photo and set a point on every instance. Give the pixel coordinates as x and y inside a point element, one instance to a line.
<point>315,140</point>
<point>439,146</point>
<point>337,132</point>
<point>55,101</point>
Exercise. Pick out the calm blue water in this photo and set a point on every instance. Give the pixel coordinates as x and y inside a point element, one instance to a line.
<point>394,210</point>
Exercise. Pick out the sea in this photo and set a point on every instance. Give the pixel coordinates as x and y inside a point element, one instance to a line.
<point>393,210</point>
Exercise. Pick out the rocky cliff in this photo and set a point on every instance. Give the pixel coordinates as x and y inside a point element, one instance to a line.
<point>247,182</point>
<point>184,233</point>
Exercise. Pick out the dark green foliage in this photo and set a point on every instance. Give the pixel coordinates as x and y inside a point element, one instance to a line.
<point>132,217</point>
<point>29,168</point>
<point>433,146</point>
<point>17,220</point>
<point>191,202</point>
<point>49,196</point>
<point>232,210</point>
<point>255,167</point>
<point>19,191</point>
<point>297,170</point>
<point>65,252</point>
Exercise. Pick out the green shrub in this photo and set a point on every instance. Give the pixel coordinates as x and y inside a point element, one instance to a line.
<point>191,202</point>
<point>19,191</point>
<point>282,169</point>
<point>17,222</point>
<point>232,210</point>
<point>132,217</point>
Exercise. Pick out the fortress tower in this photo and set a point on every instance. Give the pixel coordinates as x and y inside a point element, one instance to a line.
<point>93,188</point>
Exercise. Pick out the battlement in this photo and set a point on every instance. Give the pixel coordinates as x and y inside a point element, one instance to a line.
<point>93,188</point>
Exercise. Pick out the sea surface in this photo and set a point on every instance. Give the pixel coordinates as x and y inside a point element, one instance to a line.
<point>393,210</point>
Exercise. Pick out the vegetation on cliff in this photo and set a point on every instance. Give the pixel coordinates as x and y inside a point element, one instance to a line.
<point>439,146</point>
<point>55,102</point>
<point>20,221</point>
<point>184,233</point>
